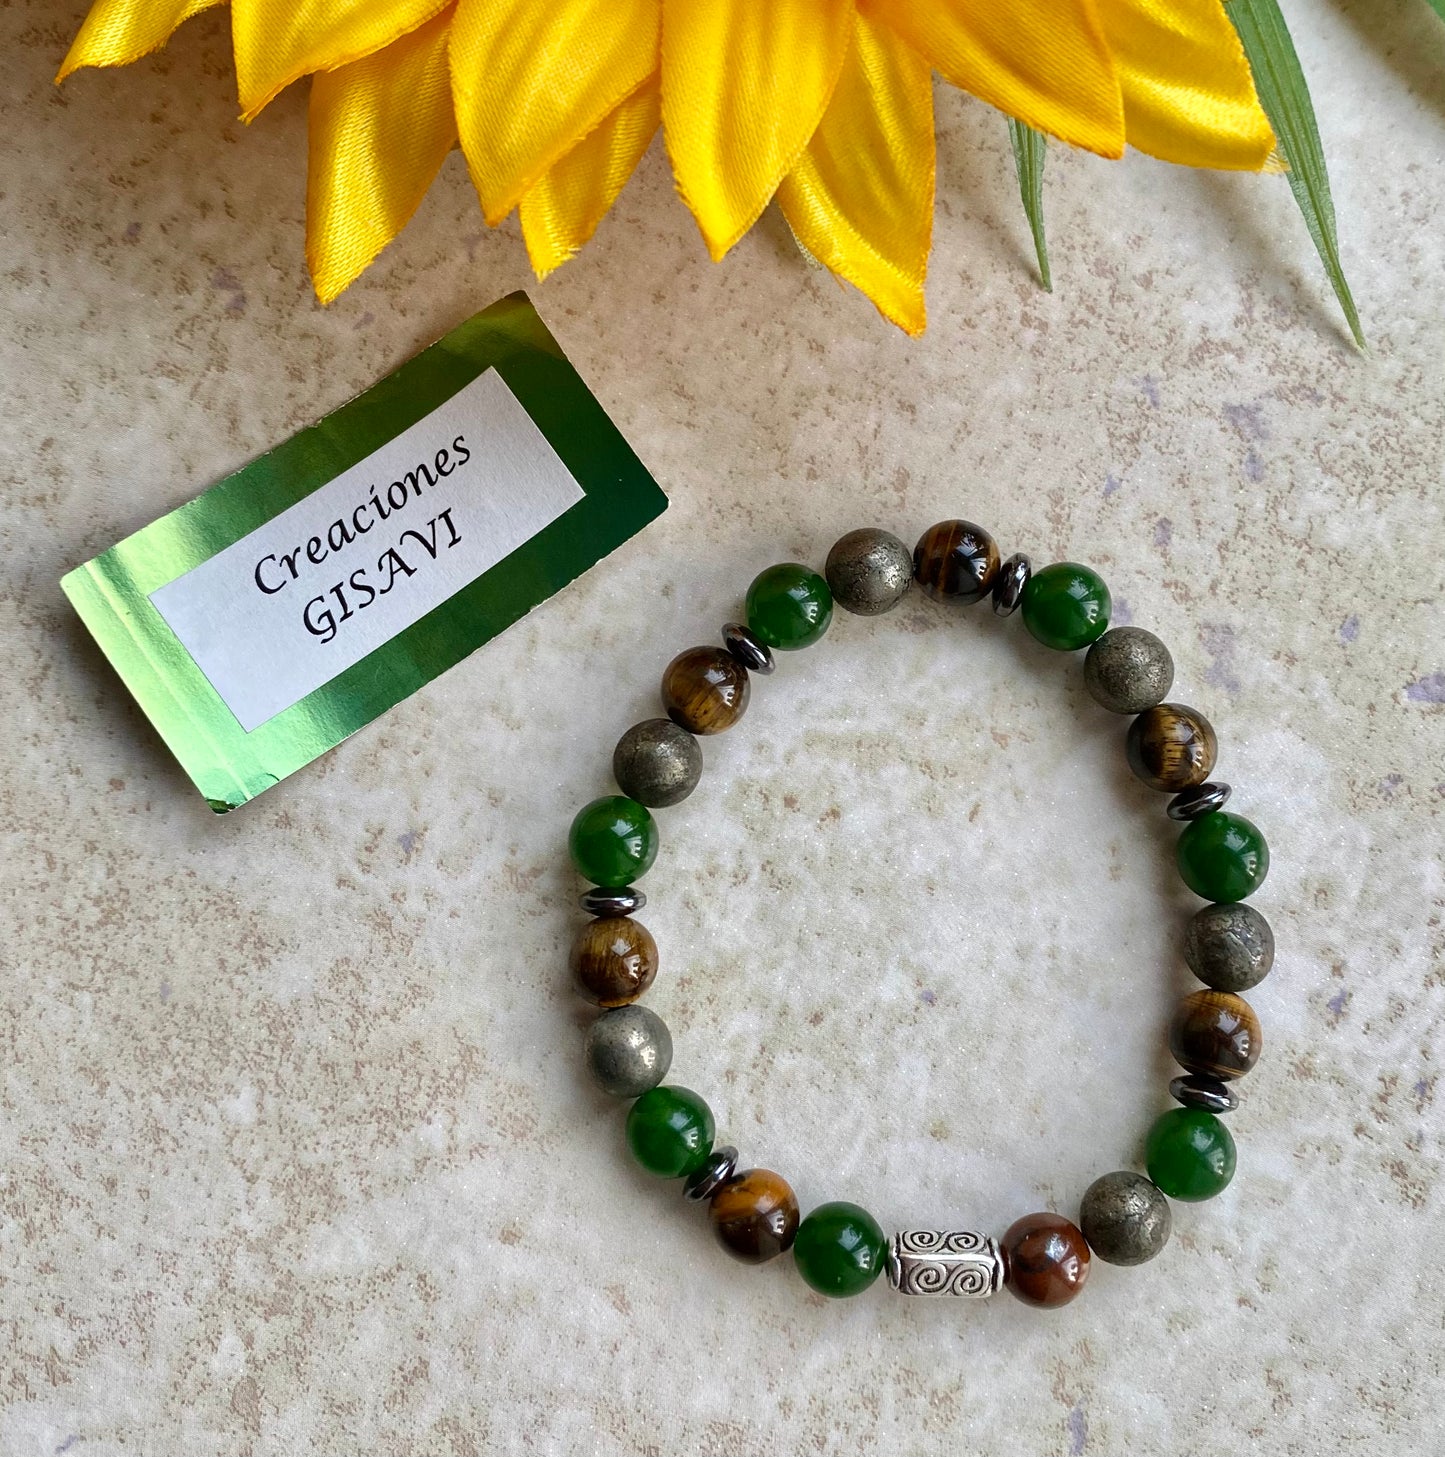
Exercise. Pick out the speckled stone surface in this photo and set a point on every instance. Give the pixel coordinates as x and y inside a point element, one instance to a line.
<point>297,1151</point>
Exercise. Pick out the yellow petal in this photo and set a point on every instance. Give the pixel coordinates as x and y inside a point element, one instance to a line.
<point>561,211</point>
<point>117,32</point>
<point>1188,93</point>
<point>861,197</point>
<point>530,80</point>
<point>380,129</point>
<point>744,85</point>
<point>279,41</point>
<point>1046,64</point>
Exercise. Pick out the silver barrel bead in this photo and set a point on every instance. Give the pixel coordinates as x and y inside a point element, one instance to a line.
<point>944,1262</point>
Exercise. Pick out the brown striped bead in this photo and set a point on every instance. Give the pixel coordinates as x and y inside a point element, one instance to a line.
<point>1216,1034</point>
<point>755,1215</point>
<point>705,690</point>
<point>1171,747</point>
<point>614,960</point>
<point>956,561</point>
<point>1046,1259</point>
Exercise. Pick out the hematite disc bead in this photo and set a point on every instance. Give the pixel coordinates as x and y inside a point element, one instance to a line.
<point>1216,1034</point>
<point>705,690</point>
<point>1046,1259</point>
<point>956,561</point>
<point>869,571</point>
<point>1198,1091</point>
<point>612,900</point>
<point>1008,588</point>
<point>1171,747</point>
<point>1229,947</point>
<point>1125,1218</point>
<point>1203,799</point>
<point>755,1215</point>
<point>628,1051</point>
<point>944,1262</point>
<point>703,1183</point>
<point>657,763</point>
<point>1128,670</point>
<point>614,960</point>
<point>750,651</point>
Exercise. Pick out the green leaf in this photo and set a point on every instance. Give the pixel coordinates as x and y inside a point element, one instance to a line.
<point>1286,101</point>
<point>1438,6</point>
<point>1029,160</point>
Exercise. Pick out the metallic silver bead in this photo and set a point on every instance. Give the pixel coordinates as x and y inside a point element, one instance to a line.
<point>1125,1218</point>
<point>1203,799</point>
<point>869,571</point>
<point>703,1183</point>
<point>746,648</point>
<point>1128,670</point>
<point>1198,1090</point>
<point>628,1051</point>
<point>944,1262</point>
<point>1229,947</point>
<point>612,900</point>
<point>657,763</point>
<point>1008,586</point>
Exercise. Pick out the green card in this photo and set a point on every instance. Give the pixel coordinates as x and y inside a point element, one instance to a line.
<point>263,622</point>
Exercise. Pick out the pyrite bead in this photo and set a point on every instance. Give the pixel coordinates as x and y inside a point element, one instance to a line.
<point>1125,1218</point>
<point>789,606</point>
<point>956,561</point>
<point>1222,857</point>
<point>628,1051</point>
<point>705,690</point>
<point>1046,1259</point>
<point>1229,947</point>
<point>1128,670</point>
<point>1171,747</point>
<point>1066,606</point>
<point>715,1171</point>
<point>1202,799</point>
<point>657,763</point>
<point>755,1215</point>
<point>670,1131</point>
<point>614,960</point>
<point>1216,1034</point>
<point>613,840</point>
<point>1195,1090</point>
<point>754,655</point>
<point>840,1249</point>
<point>612,900</point>
<point>1190,1154</point>
<point>1008,587</point>
<point>869,571</point>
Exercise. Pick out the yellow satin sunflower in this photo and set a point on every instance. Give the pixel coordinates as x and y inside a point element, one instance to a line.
<point>826,105</point>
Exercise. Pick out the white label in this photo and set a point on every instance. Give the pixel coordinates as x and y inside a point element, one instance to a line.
<point>313,591</point>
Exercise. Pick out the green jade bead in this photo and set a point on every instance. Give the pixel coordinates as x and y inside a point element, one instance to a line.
<point>1190,1154</point>
<point>840,1249</point>
<point>670,1131</point>
<point>789,606</point>
<point>1066,606</point>
<point>613,840</point>
<point>1222,857</point>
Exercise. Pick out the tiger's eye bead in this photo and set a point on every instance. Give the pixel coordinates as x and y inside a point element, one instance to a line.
<point>657,763</point>
<point>789,606</point>
<point>868,571</point>
<point>1216,1034</point>
<point>1128,670</point>
<point>628,1050</point>
<point>1171,747</point>
<point>1066,606</point>
<point>670,1131</point>
<point>755,1215</point>
<point>840,1249</point>
<point>1229,947</point>
<point>1046,1259</point>
<point>1222,857</point>
<point>613,840</point>
<point>614,960</point>
<point>956,561</point>
<point>705,690</point>
<point>1125,1219</point>
<point>1190,1154</point>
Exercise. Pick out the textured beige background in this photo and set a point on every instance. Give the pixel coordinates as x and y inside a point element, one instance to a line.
<point>295,1154</point>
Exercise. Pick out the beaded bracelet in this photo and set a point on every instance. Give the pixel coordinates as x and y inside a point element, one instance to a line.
<point>839,1248</point>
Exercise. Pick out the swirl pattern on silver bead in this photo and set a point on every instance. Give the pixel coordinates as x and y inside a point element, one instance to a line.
<point>944,1262</point>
